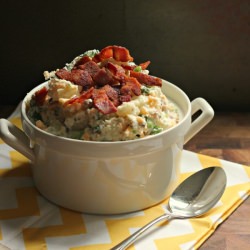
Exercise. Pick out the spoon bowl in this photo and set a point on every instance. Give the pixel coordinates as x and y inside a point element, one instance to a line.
<point>193,197</point>
<point>198,193</point>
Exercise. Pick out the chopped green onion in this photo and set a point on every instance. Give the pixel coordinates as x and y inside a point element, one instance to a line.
<point>97,129</point>
<point>145,90</point>
<point>151,125</point>
<point>156,130</point>
<point>138,69</point>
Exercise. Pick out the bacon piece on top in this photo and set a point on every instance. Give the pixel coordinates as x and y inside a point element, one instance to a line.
<point>64,74</point>
<point>112,94</point>
<point>80,99</point>
<point>128,67</point>
<point>117,71</point>
<point>121,54</point>
<point>144,65</point>
<point>106,53</point>
<point>82,61</point>
<point>102,77</point>
<point>146,79</point>
<point>102,102</point>
<point>131,87</point>
<point>40,96</point>
<point>91,67</point>
<point>77,76</point>
<point>125,98</point>
<point>81,77</point>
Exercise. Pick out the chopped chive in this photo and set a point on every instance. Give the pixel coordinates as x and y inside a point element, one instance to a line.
<point>138,69</point>
<point>145,90</point>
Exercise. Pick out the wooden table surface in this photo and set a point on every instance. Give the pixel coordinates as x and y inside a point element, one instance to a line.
<point>226,137</point>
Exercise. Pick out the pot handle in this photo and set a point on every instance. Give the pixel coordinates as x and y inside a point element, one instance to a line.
<point>16,138</point>
<point>202,120</point>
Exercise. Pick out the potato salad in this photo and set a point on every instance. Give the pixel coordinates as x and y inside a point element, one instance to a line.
<point>102,96</point>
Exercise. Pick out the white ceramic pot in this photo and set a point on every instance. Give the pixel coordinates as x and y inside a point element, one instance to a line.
<point>107,177</point>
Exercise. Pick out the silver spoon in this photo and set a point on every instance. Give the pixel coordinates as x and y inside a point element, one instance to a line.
<point>193,197</point>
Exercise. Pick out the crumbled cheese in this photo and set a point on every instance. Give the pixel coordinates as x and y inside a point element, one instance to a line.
<point>62,89</point>
<point>47,75</point>
<point>128,108</point>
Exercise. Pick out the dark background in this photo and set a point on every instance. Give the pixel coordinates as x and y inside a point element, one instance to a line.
<point>202,46</point>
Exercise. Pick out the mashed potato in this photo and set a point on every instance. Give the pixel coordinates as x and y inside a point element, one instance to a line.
<point>60,108</point>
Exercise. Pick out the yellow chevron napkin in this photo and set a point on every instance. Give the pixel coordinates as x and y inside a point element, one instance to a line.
<point>30,222</point>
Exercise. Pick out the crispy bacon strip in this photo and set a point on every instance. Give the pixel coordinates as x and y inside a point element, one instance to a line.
<point>96,58</point>
<point>82,61</point>
<point>127,66</point>
<point>64,74</point>
<point>80,99</point>
<point>144,65</point>
<point>131,87</point>
<point>146,79</point>
<point>81,77</point>
<point>102,102</point>
<point>102,77</point>
<point>77,76</point>
<point>91,67</point>
<point>119,53</point>
<point>40,96</point>
<point>125,98</point>
<point>117,71</point>
<point>106,53</point>
<point>112,94</point>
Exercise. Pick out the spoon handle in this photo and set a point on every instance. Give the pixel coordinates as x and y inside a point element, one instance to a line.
<point>132,238</point>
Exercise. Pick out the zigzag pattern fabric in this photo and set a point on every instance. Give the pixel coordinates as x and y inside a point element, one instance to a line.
<point>30,222</point>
